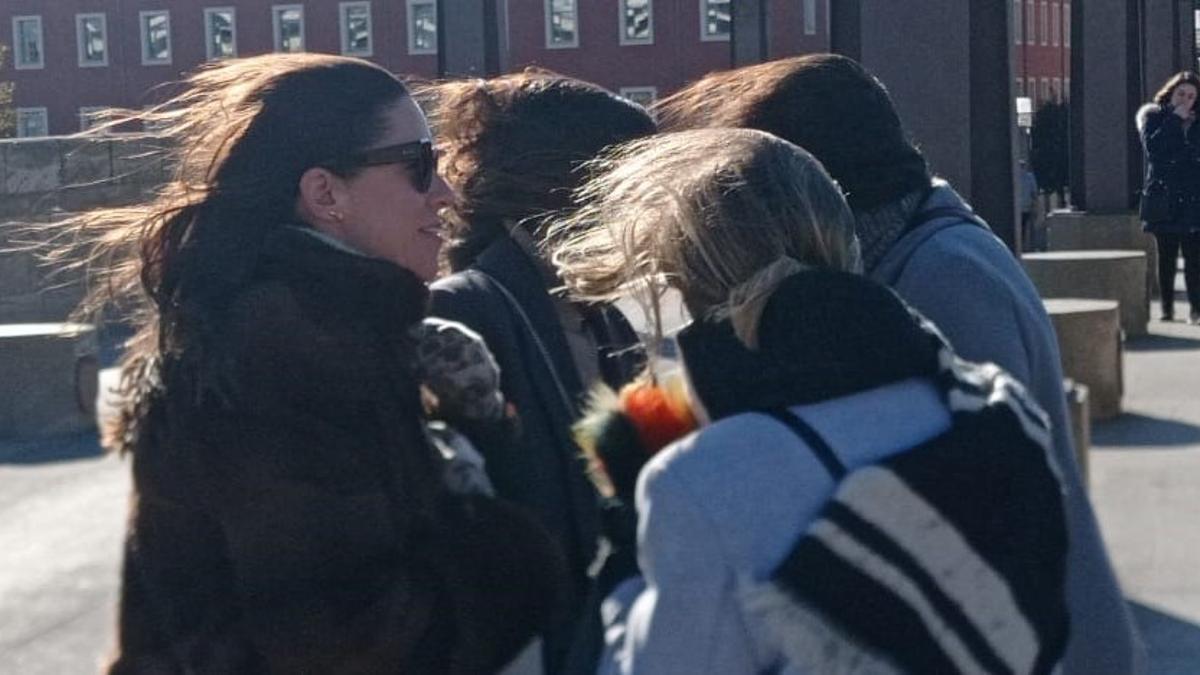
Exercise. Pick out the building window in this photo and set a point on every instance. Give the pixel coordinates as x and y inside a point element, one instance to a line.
<point>1058,90</point>
<point>91,38</point>
<point>32,122</point>
<point>562,24</point>
<point>1018,23</point>
<point>1055,23</point>
<point>156,37</point>
<point>1046,90</point>
<point>1045,41</point>
<point>355,21</point>
<point>422,26</point>
<point>1066,90</point>
<point>1066,13</point>
<point>643,96</point>
<point>637,22</point>
<point>90,116</point>
<point>715,19</point>
<point>287,21</point>
<point>27,44</point>
<point>220,32</point>
<point>1020,88</point>
<point>810,17</point>
<point>1030,23</point>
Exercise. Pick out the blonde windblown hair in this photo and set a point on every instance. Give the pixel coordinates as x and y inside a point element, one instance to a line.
<point>722,215</point>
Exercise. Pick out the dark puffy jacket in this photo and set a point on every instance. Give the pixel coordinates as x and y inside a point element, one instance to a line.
<point>1173,158</point>
<point>297,522</point>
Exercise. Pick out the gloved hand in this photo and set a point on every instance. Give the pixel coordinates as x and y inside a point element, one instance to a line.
<point>456,367</point>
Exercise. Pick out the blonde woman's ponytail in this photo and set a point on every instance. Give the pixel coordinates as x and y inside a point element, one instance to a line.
<point>748,299</point>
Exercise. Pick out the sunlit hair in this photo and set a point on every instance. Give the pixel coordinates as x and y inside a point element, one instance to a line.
<point>238,139</point>
<point>722,215</point>
<point>827,104</point>
<point>512,147</point>
<point>1168,89</point>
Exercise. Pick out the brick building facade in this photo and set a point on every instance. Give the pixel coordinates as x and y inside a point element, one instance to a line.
<point>1042,38</point>
<point>69,57</point>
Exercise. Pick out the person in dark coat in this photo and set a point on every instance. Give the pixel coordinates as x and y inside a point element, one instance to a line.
<point>290,511</point>
<point>514,149</point>
<point>1171,140</point>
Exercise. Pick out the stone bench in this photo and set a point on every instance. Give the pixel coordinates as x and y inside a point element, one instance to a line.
<point>1101,275</point>
<point>48,379</point>
<point>1068,230</point>
<point>1089,340</point>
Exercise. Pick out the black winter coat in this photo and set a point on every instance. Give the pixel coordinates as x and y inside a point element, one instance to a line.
<point>545,471</point>
<point>1173,158</point>
<point>288,511</point>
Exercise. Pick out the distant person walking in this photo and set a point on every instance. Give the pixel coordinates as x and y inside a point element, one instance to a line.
<point>920,238</point>
<point>1029,192</point>
<point>1171,196</point>
<point>290,513</point>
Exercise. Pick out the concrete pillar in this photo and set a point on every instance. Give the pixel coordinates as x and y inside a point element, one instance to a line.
<point>748,39</point>
<point>1106,157</point>
<point>1167,22</point>
<point>472,38</point>
<point>951,80</point>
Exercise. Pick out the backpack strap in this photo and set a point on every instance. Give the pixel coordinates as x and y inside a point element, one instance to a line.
<point>814,440</point>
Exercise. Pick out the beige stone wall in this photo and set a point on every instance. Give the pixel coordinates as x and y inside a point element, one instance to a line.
<point>44,179</point>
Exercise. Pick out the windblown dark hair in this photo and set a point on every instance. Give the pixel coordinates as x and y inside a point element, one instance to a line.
<point>239,136</point>
<point>513,147</point>
<point>827,104</point>
<point>1164,94</point>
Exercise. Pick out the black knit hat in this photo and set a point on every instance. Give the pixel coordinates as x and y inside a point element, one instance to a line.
<point>823,334</point>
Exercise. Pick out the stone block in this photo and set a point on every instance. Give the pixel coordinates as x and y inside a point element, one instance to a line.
<point>48,379</point>
<point>139,159</point>
<point>1068,230</point>
<point>1089,340</point>
<point>1102,275</point>
<point>32,165</point>
<point>86,161</point>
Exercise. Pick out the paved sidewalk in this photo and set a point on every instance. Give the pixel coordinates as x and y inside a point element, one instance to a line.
<point>1145,481</point>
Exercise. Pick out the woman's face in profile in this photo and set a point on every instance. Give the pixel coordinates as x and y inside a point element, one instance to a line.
<point>387,215</point>
<point>1183,97</point>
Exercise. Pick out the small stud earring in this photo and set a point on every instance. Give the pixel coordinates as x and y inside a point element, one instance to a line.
<point>336,216</point>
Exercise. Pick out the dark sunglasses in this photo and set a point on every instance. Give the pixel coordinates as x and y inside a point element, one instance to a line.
<point>419,158</point>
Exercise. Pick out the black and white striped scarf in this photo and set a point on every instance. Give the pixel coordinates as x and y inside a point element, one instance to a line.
<point>946,558</point>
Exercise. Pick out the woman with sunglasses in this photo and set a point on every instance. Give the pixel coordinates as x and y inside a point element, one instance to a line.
<point>290,512</point>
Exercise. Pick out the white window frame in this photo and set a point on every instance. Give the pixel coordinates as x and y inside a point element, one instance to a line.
<point>810,17</point>
<point>208,32</point>
<point>41,111</point>
<point>1055,23</point>
<point>1031,22</point>
<point>85,113</point>
<point>80,21</point>
<point>623,36</point>
<point>410,22</point>
<point>1066,11</point>
<point>548,6</point>
<point>631,92</point>
<point>277,23</point>
<point>716,37</point>
<point>144,17</point>
<point>16,44</point>
<point>343,9</point>
<point>1045,21</point>
<point>1018,23</point>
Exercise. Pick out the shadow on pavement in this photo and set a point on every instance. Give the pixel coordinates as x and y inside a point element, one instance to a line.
<point>1172,643</point>
<point>83,445</point>
<point>1134,429</point>
<point>1163,343</point>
